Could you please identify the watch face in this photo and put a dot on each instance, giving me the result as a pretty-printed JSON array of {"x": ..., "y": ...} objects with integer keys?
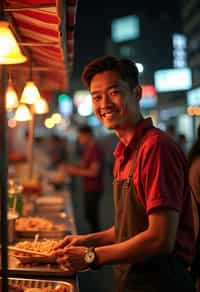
[{"x": 89, "y": 257}]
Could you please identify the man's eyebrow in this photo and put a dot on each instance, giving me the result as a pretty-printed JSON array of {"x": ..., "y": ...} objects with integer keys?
[{"x": 108, "y": 88}]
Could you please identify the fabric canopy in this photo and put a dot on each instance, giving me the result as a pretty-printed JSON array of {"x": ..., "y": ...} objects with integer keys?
[{"x": 45, "y": 32}]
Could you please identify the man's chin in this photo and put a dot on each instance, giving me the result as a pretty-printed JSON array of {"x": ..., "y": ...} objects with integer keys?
[{"x": 110, "y": 126}]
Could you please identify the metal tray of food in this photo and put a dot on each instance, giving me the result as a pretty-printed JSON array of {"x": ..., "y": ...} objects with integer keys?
[
  {"x": 28, "y": 227},
  {"x": 39, "y": 270},
  {"x": 54, "y": 234},
  {"x": 33, "y": 285}
]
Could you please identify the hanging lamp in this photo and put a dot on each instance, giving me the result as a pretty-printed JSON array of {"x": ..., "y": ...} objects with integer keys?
[
  {"x": 41, "y": 106},
  {"x": 11, "y": 96},
  {"x": 22, "y": 113},
  {"x": 10, "y": 52},
  {"x": 30, "y": 93}
]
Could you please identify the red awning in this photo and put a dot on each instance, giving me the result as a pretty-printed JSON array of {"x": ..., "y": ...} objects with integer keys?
[{"x": 45, "y": 31}]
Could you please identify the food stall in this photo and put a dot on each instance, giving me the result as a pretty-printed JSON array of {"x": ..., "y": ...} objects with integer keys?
[{"x": 44, "y": 30}]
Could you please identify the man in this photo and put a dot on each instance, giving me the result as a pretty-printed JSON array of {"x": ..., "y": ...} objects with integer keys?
[
  {"x": 91, "y": 169},
  {"x": 152, "y": 240}
]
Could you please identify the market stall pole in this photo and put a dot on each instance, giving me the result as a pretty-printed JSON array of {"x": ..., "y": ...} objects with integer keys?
[
  {"x": 9, "y": 54},
  {"x": 3, "y": 184}
]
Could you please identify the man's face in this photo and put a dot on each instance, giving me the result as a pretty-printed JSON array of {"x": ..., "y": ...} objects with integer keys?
[{"x": 114, "y": 104}]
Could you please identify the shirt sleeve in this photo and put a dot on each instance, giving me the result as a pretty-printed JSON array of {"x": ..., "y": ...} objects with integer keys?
[
  {"x": 194, "y": 178},
  {"x": 163, "y": 175}
]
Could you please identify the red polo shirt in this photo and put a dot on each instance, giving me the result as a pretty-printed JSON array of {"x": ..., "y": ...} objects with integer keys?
[{"x": 160, "y": 178}]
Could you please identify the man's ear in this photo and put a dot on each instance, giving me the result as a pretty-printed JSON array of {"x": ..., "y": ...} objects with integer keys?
[{"x": 138, "y": 92}]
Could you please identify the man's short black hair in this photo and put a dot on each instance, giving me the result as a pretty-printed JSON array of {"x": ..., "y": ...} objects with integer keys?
[
  {"x": 125, "y": 67},
  {"x": 85, "y": 129}
]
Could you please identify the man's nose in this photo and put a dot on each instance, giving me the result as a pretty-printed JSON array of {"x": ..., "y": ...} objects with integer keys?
[{"x": 106, "y": 100}]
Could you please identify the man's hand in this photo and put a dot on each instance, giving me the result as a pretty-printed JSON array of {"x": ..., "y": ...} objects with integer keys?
[
  {"x": 71, "y": 258},
  {"x": 70, "y": 240}
]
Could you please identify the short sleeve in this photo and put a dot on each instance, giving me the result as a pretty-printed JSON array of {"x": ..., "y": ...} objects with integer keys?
[{"x": 163, "y": 175}]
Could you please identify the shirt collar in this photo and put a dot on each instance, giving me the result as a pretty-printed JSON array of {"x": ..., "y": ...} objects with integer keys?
[{"x": 138, "y": 132}]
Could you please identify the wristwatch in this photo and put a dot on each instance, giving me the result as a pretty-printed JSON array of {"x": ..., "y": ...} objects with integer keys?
[{"x": 90, "y": 258}]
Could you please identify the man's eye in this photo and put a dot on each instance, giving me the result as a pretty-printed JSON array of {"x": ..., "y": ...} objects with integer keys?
[
  {"x": 96, "y": 97},
  {"x": 114, "y": 92}
]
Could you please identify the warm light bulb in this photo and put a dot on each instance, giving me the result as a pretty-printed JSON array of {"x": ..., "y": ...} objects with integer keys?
[
  {"x": 10, "y": 52},
  {"x": 11, "y": 98},
  {"x": 30, "y": 93},
  {"x": 23, "y": 113},
  {"x": 49, "y": 123},
  {"x": 56, "y": 118},
  {"x": 41, "y": 106}
]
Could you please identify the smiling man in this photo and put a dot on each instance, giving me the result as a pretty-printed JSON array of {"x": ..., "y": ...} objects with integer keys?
[{"x": 152, "y": 241}]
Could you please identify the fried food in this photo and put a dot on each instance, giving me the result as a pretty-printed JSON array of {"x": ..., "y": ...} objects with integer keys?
[
  {"x": 44, "y": 246},
  {"x": 36, "y": 224},
  {"x": 33, "y": 224},
  {"x": 15, "y": 288}
]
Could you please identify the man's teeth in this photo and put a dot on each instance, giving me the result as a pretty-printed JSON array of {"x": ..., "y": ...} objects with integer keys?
[{"x": 107, "y": 114}]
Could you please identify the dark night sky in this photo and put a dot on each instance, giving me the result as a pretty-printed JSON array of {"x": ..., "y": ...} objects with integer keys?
[{"x": 94, "y": 19}]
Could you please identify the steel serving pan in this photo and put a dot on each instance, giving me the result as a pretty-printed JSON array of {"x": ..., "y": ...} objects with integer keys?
[{"x": 33, "y": 283}]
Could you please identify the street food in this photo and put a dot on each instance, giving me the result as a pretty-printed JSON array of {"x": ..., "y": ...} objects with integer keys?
[
  {"x": 44, "y": 246},
  {"x": 14, "y": 288},
  {"x": 33, "y": 224},
  {"x": 36, "y": 224}
]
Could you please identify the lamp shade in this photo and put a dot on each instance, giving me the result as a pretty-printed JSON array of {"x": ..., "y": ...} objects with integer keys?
[
  {"x": 22, "y": 113},
  {"x": 10, "y": 52},
  {"x": 30, "y": 93},
  {"x": 41, "y": 106},
  {"x": 11, "y": 97}
]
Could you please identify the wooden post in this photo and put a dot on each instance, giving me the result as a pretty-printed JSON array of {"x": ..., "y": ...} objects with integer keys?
[{"x": 3, "y": 181}]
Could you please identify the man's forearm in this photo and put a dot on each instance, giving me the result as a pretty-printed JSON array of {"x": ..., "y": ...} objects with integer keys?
[{"x": 100, "y": 238}]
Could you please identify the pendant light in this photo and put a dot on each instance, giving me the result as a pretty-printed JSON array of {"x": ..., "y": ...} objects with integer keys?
[
  {"x": 22, "y": 113},
  {"x": 10, "y": 52},
  {"x": 11, "y": 96},
  {"x": 41, "y": 106},
  {"x": 30, "y": 93}
]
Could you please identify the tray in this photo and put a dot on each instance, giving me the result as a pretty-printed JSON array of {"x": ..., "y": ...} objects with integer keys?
[
  {"x": 16, "y": 268},
  {"x": 57, "y": 234},
  {"x": 40, "y": 284},
  {"x": 31, "y": 259}
]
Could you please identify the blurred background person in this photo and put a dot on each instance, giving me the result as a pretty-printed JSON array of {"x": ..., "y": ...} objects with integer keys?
[
  {"x": 194, "y": 179},
  {"x": 171, "y": 130},
  {"x": 182, "y": 141},
  {"x": 57, "y": 151},
  {"x": 90, "y": 167}
]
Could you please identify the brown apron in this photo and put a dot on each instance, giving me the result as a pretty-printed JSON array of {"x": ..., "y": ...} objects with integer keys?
[{"x": 158, "y": 274}]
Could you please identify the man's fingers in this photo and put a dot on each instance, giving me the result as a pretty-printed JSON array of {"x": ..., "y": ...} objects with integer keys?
[
  {"x": 63, "y": 260},
  {"x": 62, "y": 244}
]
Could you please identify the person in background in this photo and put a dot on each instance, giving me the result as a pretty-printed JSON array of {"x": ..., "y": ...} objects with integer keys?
[
  {"x": 171, "y": 130},
  {"x": 57, "y": 151},
  {"x": 194, "y": 179},
  {"x": 152, "y": 241},
  {"x": 182, "y": 141},
  {"x": 90, "y": 168}
]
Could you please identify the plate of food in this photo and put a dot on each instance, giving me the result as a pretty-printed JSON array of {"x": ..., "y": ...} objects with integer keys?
[
  {"x": 34, "y": 251},
  {"x": 27, "y": 227}
]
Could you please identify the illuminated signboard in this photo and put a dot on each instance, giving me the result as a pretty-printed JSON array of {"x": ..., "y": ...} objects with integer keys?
[
  {"x": 65, "y": 104},
  {"x": 173, "y": 79},
  {"x": 83, "y": 102},
  {"x": 193, "y": 97},
  {"x": 149, "y": 97},
  {"x": 125, "y": 28},
  {"x": 179, "y": 43}
]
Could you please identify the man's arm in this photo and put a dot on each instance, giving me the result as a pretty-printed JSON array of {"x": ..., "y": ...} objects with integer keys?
[
  {"x": 81, "y": 170},
  {"x": 101, "y": 238},
  {"x": 159, "y": 238},
  {"x": 93, "y": 239}
]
